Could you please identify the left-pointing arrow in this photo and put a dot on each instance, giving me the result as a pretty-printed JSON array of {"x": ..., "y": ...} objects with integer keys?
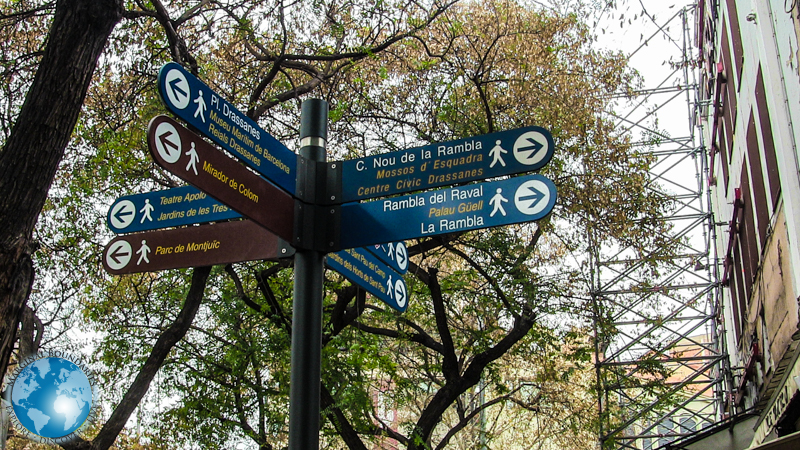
[
  {"x": 122, "y": 214},
  {"x": 168, "y": 142},
  {"x": 174, "y": 84},
  {"x": 118, "y": 255}
]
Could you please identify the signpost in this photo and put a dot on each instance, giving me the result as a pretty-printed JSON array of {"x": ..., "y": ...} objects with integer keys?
[
  {"x": 463, "y": 160},
  {"x": 186, "y": 155},
  {"x": 165, "y": 209},
  {"x": 366, "y": 270},
  {"x": 221, "y": 243},
  {"x": 229, "y": 189},
  {"x": 480, "y": 205},
  {"x": 201, "y": 107}
]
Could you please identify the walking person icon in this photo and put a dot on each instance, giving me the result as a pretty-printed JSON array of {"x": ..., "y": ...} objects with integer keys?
[
  {"x": 390, "y": 288},
  {"x": 201, "y": 107},
  {"x": 193, "y": 158},
  {"x": 497, "y": 155},
  {"x": 497, "y": 202},
  {"x": 142, "y": 252},
  {"x": 146, "y": 210}
]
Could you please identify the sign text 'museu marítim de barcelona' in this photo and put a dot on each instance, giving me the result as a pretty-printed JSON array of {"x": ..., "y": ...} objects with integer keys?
[
  {"x": 197, "y": 104},
  {"x": 480, "y": 205},
  {"x": 459, "y": 161}
]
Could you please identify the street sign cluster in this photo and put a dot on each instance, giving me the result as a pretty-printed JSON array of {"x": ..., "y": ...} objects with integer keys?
[
  {"x": 254, "y": 203},
  {"x": 262, "y": 201}
]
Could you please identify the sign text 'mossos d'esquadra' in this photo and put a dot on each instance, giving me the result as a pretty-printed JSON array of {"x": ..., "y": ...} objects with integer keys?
[
  {"x": 196, "y": 103},
  {"x": 476, "y": 158}
]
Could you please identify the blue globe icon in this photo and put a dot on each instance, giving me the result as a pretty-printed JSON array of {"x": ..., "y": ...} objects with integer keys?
[{"x": 51, "y": 397}]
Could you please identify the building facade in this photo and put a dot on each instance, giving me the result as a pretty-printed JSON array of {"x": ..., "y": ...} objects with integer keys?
[{"x": 750, "y": 114}]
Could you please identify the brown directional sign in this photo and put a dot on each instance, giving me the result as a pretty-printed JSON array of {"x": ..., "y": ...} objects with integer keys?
[
  {"x": 186, "y": 155},
  {"x": 205, "y": 245}
]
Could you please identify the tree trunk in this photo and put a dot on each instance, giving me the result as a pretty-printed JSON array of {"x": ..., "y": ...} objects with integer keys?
[{"x": 30, "y": 156}]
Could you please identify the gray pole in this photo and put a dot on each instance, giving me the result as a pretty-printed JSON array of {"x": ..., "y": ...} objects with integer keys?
[{"x": 304, "y": 395}]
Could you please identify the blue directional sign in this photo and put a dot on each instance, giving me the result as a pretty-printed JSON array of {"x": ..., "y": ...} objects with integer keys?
[
  {"x": 364, "y": 269},
  {"x": 197, "y": 104},
  {"x": 463, "y": 160},
  {"x": 480, "y": 205},
  {"x": 164, "y": 209},
  {"x": 395, "y": 254}
]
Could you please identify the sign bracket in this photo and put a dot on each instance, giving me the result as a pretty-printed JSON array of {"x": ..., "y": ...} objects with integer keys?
[{"x": 317, "y": 227}]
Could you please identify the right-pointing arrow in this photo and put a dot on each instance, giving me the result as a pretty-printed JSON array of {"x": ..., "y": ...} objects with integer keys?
[
  {"x": 534, "y": 198},
  {"x": 533, "y": 148}
]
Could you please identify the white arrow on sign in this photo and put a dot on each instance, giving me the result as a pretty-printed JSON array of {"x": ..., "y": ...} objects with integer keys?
[
  {"x": 177, "y": 89},
  {"x": 122, "y": 214},
  {"x": 168, "y": 142},
  {"x": 532, "y": 197},
  {"x": 401, "y": 254},
  {"x": 400, "y": 293},
  {"x": 119, "y": 255},
  {"x": 528, "y": 148}
]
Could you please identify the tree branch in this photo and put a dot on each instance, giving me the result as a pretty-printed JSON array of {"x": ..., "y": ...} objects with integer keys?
[{"x": 174, "y": 333}]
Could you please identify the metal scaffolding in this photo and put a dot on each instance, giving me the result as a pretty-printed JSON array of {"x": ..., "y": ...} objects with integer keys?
[{"x": 660, "y": 366}]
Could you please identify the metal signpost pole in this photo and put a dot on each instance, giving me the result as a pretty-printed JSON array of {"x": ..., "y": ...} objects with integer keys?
[{"x": 304, "y": 396}]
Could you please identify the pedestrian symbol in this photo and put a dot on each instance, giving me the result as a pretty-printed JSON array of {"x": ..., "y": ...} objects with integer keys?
[
  {"x": 146, "y": 210},
  {"x": 390, "y": 288},
  {"x": 193, "y": 158},
  {"x": 177, "y": 89},
  {"x": 497, "y": 154},
  {"x": 497, "y": 203},
  {"x": 201, "y": 107},
  {"x": 143, "y": 251}
]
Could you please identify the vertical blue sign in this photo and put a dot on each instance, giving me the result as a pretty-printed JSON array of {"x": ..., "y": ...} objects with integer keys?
[
  {"x": 395, "y": 254},
  {"x": 197, "y": 104},
  {"x": 364, "y": 269}
]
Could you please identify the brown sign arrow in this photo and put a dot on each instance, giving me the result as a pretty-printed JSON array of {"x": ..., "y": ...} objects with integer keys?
[
  {"x": 188, "y": 156},
  {"x": 205, "y": 245}
]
